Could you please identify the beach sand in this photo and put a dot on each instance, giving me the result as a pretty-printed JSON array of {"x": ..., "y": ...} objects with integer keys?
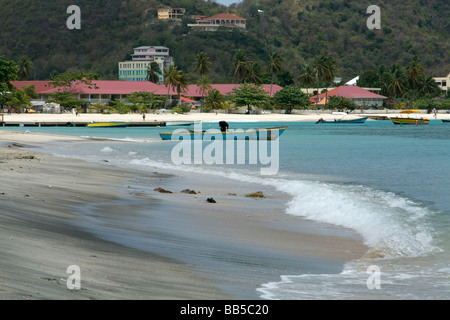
[
  {"x": 190, "y": 249},
  {"x": 205, "y": 117}
]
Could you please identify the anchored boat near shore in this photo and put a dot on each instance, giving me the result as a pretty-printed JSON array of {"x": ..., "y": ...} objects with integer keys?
[
  {"x": 253, "y": 134},
  {"x": 110, "y": 124},
  {"x": 414, "y": 121}
]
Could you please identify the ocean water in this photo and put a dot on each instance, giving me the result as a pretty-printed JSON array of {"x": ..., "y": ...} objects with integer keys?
[{"x": 390, "y": 184}]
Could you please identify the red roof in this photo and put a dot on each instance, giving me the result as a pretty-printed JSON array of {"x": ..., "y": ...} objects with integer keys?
[
  {"x": 127, "y": 87},
  {"x": 97, "y": 87},
  {"x": 194, "y": 92},
  {"x": 225, "y": 16},
  {"x": 348, "y": 92}
]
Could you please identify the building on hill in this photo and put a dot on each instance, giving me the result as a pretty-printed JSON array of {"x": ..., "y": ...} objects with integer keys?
[
  {"x": 360, "y": 96},
  {"x": 136, "y": 69},
  {"x": 443, "y": 82},
  {"x": 224, "y": 20},
  {"x": 168, "y": 13}
]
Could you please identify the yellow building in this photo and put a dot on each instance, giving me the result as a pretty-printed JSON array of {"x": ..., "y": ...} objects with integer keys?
[{"x": 168, "y": 13}]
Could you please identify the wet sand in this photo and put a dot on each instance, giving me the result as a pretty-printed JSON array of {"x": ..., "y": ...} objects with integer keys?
[{"x": 132, "y": 242}]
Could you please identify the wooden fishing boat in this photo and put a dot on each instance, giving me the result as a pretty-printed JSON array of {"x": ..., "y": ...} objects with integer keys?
[
  {"x": 110, "y": 124},
  {"x": 413, "y": 121},
  {"x": 252, "y": 134},
  {"x": 343, "y": 121}
]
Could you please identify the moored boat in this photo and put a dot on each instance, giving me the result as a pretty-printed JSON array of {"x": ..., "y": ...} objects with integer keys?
[
  {"x": 110, "y": 124},
  {"x": 252, "y": 134},
  {"x": 414, "y": 121},
  {"x": 445, "y": 120},
  {"x": 343, "y": 121}
]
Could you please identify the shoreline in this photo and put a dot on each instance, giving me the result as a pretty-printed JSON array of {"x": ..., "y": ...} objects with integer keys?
[
  {"x": 65, "y": 118},
  {"x": 256, "y": 240}
]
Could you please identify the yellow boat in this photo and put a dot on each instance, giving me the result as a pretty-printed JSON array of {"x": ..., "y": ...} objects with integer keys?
[
  {"x": 110, "y": 124},
  {"x": 415, "y": 121}
]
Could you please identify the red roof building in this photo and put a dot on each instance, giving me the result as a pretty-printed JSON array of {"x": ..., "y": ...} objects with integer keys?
[
  {"x": 360, "y": 96},
  {"x": 106, "y": 90}
]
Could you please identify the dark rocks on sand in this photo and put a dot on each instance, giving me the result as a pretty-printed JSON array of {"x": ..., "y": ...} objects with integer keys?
[
  {"x": 257, "y": 194},
  {"x": 161, "y": 190},
  {"x": 188, "y": 191},
  {"x": 211, "y": 200}
]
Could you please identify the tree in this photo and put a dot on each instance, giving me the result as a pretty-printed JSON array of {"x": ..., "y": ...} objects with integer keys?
[
  {"x": 253, "y": 74},
  {"x": 214, "y": 101},
  {"x": 249, "y": 95},
  {"x": 171, "y": 76},
  {"x": 182, "y": 84},
  {"x": 202, "y": 63},
  {"x": 307, "y": 76},
  {"x": 19, "y": 100},
  {"x": 8, "y": 73},
  {"x": 337, "y": 103},
  {"x": 30, "y": 91},
  {"x": 326, "y": 69},
  {"x": 65, "y": 99},
  {"x": 396, "y": 82},
  {"x": 143, "y": 100},
  {"x": 239, "y": 67},
  {"x": 289, "y": 98},
  {"x": 275, "y": 67},
  {"x": 415, "y": 73},
  {"x": 153, "y": 72},
  {"x": 204, "y": 85},
  {"x": 24, "y": 67}
]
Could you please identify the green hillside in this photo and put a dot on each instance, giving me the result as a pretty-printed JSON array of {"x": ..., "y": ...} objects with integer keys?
[{"x": 298, "y": 30}]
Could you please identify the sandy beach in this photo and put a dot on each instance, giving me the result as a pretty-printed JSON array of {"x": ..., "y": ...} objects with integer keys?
[
  {"x": 233, "y": 246},
  {"x": 207, "y": 117}
]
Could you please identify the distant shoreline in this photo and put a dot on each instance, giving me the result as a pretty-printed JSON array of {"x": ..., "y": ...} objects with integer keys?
[{"x": 207, "y": 117}]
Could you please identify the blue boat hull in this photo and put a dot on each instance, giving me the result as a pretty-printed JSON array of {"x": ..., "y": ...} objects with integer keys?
[{"x": 259, "y": 134}]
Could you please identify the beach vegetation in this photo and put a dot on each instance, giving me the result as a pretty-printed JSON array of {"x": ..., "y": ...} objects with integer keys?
[
  {"x": 24, "y": 67},
  {"x": 8, "y": 73},
  {"x": 19, "y": 100},
  {"x": 214, "y": 101},
  {"x": 249, "y": 95},
  {"x": 65, "y": 99},
  {"x": 341, "y": 103},
  {"x": 290, "y": 98}
]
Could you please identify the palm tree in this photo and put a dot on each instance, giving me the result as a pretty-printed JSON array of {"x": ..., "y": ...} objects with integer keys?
[
  {"x": 204, "y": 85},
  {"x": 171, "y": 76},
  {"x": 214, "y": 100},
  {"x": 395, "y": 81},
  {"x": 326, "y": 69},
  {"x": 153, "y": 72},
  {"x": 253, "y": 74},
  {"x": 307, "y": 76},
  {"x": 429, "y": 86},
  {"x": 182, "y": 83},
  {"x": 24, "y": 67},
  {"x": 202, "y": 63},
  {"x": 275, "y": 67},
  {"x": 415, "y": 73},
  {"x": 239, "y": 66}
]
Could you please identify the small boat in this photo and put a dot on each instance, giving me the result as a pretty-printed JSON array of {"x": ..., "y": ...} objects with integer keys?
[
  {"x": 343, "y": 121},
  {"x": 415, "y": 121},
  {"x": 110, "y": 124},
  {"x": 445, "y": 120},
  {"x": 179, "y": 123},
  {"x": 252, "y": 134}
]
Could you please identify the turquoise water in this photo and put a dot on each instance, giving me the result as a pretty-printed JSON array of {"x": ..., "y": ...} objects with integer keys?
[{"x": 389, "y": 183}]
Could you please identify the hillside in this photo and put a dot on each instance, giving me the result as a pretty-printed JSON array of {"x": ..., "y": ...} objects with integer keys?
[{"x": 297, "y": 29}]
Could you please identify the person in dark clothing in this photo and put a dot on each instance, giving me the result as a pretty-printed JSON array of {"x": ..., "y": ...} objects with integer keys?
[{"x": 223, "y": 126}]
